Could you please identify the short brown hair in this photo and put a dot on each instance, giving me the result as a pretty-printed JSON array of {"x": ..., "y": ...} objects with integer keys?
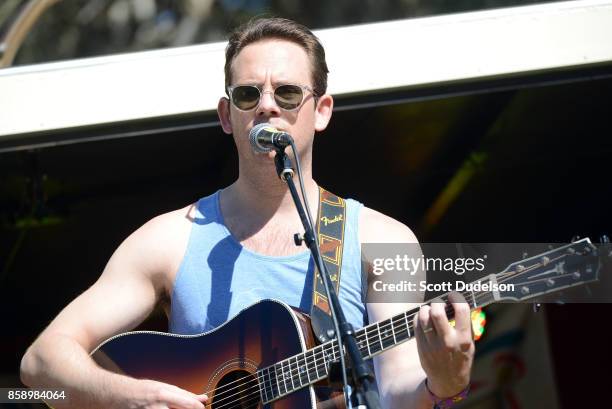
[{"x": 284, "y": 29}]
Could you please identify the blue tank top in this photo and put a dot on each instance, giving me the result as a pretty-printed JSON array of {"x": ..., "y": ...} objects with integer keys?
[{"x": 218, "y": 277}]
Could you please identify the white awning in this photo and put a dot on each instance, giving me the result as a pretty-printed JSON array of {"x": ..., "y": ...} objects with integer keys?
[{"x": 369, "y": 58}]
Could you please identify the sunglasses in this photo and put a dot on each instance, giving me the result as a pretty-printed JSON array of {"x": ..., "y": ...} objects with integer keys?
[{"x": 287, "y": 96}]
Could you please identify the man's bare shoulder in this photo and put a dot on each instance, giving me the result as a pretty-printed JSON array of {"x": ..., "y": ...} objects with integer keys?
[
  {"x": 175, "y": 222},
  {"x": 376, "y": 227},
  {"x": 159, "y": 245}
]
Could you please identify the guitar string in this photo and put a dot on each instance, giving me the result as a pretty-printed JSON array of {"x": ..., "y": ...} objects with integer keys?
[
  {"x": 252, "y": 399},
  {"x": 380, "y": 338}
]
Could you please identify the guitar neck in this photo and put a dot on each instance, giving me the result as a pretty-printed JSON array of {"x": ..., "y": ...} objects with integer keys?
[
  {"x": 307, "y": 368},
  {"x": 384, "y": 335}
]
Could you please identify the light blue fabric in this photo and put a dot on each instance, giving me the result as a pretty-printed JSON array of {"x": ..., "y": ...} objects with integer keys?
[{"x": 218, "y": 277}]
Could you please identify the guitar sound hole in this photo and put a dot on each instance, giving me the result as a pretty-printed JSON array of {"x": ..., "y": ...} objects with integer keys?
[{"x": 236, "y": 390}]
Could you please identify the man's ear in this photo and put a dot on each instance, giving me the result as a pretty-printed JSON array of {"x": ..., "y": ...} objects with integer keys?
[
  {"x": 223, "y": 111},
  {"x": 323, "y": 112}
]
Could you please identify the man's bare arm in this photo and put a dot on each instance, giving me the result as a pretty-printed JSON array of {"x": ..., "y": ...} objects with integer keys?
[{"x": 125, "y": 294}]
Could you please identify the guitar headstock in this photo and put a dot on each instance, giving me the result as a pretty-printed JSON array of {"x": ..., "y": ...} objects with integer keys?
[{"x": 563, "y": 267}]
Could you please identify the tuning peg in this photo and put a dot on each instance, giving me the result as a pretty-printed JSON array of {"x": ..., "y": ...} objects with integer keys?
[
  {"x": 536, "y": 306},
  {"x": 604, "y": 239},
  {"x": 575, "y": 238}
]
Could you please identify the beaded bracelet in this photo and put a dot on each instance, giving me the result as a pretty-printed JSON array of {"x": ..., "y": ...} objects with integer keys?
[{"x": 446, "y": 403}]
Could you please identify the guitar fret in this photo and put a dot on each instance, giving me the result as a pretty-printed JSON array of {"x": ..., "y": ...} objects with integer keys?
[
  {"x": 293, "y": 367},
  {"x": 270, "y": 378},
  {"x": 473, "y": 300},
  {"x": 269, "y": 382},
  {"x": 288, "y": 374},
  {"x": 307, "y": 368},
  {"x": 379, "y": 336},
  {"x": 291, "y": 375},
  {"x": 263, "y": 391},
  {"x": 368, "y": 341},
  {"x": 327, "y": 357},
  {"x": 274, "y": 386},
  {"x": 299, "y": 370},
  {"x": 278, "y": 384},
  {"x": 393, "y": 331},
  {"x": 304, "y": 370},
  {"x": 386, "y": 337},
  {"x": 407, "y": 325},
  {"x": 317, "y": 364},
  {"x": 283, "y": 377}
]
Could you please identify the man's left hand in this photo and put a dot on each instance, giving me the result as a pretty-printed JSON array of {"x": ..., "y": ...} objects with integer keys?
[{"x": 446, "y": 352}]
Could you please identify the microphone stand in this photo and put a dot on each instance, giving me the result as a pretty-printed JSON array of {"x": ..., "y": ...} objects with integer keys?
[{"x": 361, "y": 375}]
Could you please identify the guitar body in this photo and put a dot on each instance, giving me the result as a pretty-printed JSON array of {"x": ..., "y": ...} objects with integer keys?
[{"x": 259, "y": 336}]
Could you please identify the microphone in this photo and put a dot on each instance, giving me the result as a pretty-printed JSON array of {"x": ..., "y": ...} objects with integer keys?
[{"x": 264, "y": 137}]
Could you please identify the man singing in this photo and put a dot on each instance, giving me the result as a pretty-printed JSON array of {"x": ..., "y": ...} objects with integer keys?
[{"x": 242, "y": 235}]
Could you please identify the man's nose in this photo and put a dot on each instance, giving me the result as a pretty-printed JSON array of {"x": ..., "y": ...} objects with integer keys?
[{"x": 267, "y": 105}]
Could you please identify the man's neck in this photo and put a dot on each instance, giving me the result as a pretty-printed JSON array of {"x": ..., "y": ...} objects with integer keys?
[{"x": 255, "y": 202}]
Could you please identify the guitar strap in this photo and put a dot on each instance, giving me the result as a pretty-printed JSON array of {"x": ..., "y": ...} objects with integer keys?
[{"x": 330, "y": 232}]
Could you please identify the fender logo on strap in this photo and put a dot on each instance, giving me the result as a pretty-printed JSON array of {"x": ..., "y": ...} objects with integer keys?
[{"x": 327, "y": 221}]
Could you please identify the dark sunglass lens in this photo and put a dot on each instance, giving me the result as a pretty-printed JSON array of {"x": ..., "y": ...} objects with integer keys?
[
  {"x": 288, "y": 96},
  {"x": 245, "y": 97}
]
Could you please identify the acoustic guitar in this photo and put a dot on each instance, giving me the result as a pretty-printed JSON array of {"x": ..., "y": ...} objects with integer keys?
[{"x": 266, "y": 356}]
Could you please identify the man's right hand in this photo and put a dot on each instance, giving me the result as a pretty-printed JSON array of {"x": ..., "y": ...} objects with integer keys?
[{"x": 159, "y": 395}]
